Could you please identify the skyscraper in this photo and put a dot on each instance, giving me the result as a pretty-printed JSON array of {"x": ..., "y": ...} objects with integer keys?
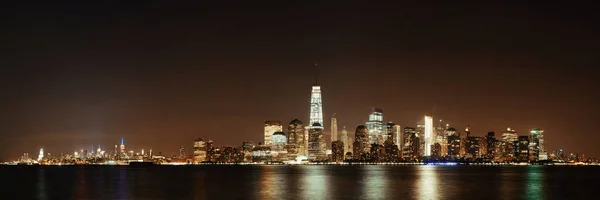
[
  {"x": 362, "y": 143},
  {"x": 344, "y": 138},
  {"x": 523, "y": 149},
  {"x": 537, "y": 145},
  {"x": 296, "y": 141},
  {"x": 375, "y": 126},
  {"x": 509, "y": 139},
  {"x": 397, "y": 132},
  {"x": 270, "y": 128},
  {"x": 334, "y": 131},
  {"x": 428, "y": 134},
  {"x": 337, "y": 151},
  {"x": 316, "y": 105},
  {"x": 316, "y": 143},
  {"x": 199, "y": 150}
]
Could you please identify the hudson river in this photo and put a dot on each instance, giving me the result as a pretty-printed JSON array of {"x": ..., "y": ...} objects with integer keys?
[{"x": 300, "y": 182}]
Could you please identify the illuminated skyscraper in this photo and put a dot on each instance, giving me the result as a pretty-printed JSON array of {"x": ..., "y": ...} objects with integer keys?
[
  {"x": 344, "y": 138},
  {"x": 398, "y": 140},
  {"x": 41, "y": 156},
  {"x": 337, "y": 151},
  {"x": 334, "y": 131},
  {"x": 199, "y": 150},
  {"x": 316, "y": 105},
  {"x": 316, "y": 143},
  {"x": 537, "y": 145},
  {"x": 296, "y": 139},
  {"x": 362, "y": 145},
  {"x": 428, "y": 134},
  {"x": 375, "y": 126},
  {"x": 270, "y": 128},
  {"x": 509, "y": 139},
  {"x": 523, "y": 149},
  {"x": 122, "y": 145}
]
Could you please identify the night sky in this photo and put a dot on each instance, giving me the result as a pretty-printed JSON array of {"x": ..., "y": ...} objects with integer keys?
[{"x": 161, "y": 75}]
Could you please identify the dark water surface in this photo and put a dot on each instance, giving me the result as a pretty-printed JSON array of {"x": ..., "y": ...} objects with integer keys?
[{"x": 300, "y": 182}]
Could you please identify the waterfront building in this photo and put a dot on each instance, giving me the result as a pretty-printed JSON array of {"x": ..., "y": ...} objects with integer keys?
[
  {"x": 270, "y": 128},
  {"x": 181, "y": 152},
  {"x": 316, "y": 144},
  {"x": 388, "y": 132},
  {"x": 408, "y": 151},
  {"x": 428, "y": 134},
  {"x": 490, "y": 140},
  {"x": 199, "y": 150},
  {"x": 509, "y": 139},
  {"x": 537, "y": 145},
  {"x": 261, "y": 154},
  {"x": 362, "y": 143},
  {"x": 473, "y": 146},
  {"x": 278, "y": 144},
  {"x": 523, "y": 148},
  {"x": 344, "y": 138},
  {"x": 436, "y": 151},
  {"x": 375, "y": 126},
  {"x": 296, "y": 142},
  {"x": 334, "y": 130},
  {"x": 397, "y": 135},
  {"x": 337, "y": 151}
]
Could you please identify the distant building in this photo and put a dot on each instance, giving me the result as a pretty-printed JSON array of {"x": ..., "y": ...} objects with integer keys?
[
  {"x": 454, "y": 142},
  {"x": 316, "y": 105},
  {"x": 397, "y": 135},
  {"x": 270, "y": 128},
  {"x": 334, "y": 130},
  {"x": 490, "y": 140},
  {"x": 337, "y": 151},
  {"x": 508, "y": 148},
  {"x": 473, "y": 146},
  {"x": 261, "y": 154},
  {"x": 537, "y": 145},
  {"x": 199, "y": 150},
  {"x": 316, "y": 143},
  {"x": 410, "y": 149},
  {"x": 278, "y": 144},
  {"x": 362, "y": 143},
  {"x": 296, "y": 142},
  {"x": 428, "y": 134},
  {"x": 523, "y": 149},
  {"x": 345, "y": 139},
  {"x": 375, "y": 126}
]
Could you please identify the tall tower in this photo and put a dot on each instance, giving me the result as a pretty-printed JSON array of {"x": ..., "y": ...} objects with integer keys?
[
  {"x": 316, "y": 104},
  {"x": 375, "y": 126},
  {"x": 122, "y": 145},
  {"x": 428, "y": 134},
  {"x": 334, "y": 131},
  {"x": 537, "y": 145},
  {"x": 316, "y": 143},
  {"x": 344, "y": 139}
]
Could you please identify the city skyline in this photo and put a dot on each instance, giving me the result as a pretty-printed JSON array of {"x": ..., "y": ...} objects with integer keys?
[{"x": 77, "y": 75}]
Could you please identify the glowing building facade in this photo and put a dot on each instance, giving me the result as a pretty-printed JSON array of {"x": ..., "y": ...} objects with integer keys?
[
  {"x": 316, "y": 106},
  {"x": 199, "y": 150},
  {"x": 375, "y": 126},
  {"x": 362, "y": 145},
  {"x": 537, "y": 145},
  {"x": 334, "y": 131},
  {"x": 270, "y": 128},
  {"x": 428, "y": 135},
  {"x": 344, "y": 138},
  {"x": 316, "y": 143},
  {"x": 296, "y": 144}
]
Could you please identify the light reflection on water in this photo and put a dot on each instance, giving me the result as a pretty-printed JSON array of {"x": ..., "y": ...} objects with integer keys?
[
  {"x": 427, "y": 183},
  {"x": 314, "y": 182},
  {"x": 535, "y": 179},
  {"x": 375, "y": 182},
  {"x": 41, "y": 184},
  {"x": 273, "y": 182}
]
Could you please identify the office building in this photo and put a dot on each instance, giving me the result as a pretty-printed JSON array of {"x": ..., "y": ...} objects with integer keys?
[
  {"x": 270, "y": 128},
  {"x": 334, "y": 130},
  {"x": 375, "y": 126},
  {"x": 316, "y": 143}
]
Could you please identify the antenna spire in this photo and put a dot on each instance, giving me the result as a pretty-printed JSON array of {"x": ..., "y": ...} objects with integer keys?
[{"x": 316, "y": 73}]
